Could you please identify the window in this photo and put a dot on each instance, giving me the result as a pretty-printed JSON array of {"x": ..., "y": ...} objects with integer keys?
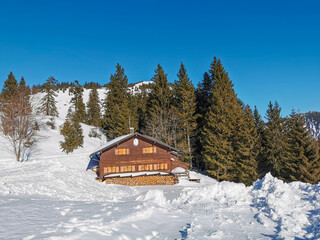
[
  {"x": 153, "y": 167},
  {"x": 111, "y": 169},
  {"x": 122, "y": 151},
  {"x": 128, "y": 168},
  {"x": 149, "y": 150}
]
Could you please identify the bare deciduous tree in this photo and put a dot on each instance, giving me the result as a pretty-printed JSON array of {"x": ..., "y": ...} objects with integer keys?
[{"x": 18, "y": 123}]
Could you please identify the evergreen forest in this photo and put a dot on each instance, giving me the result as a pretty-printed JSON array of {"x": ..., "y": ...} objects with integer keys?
[{"x": 217, "y": 133}]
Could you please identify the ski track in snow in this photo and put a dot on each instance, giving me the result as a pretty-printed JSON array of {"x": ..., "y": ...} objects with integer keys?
[{"x": 51, "y": 196}]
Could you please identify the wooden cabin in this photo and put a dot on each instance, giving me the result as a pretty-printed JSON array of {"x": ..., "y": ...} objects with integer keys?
[{"x": 136, "y": 153}]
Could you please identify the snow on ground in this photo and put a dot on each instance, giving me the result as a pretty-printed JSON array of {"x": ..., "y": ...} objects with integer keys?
[{"x": 51, "y": 196}]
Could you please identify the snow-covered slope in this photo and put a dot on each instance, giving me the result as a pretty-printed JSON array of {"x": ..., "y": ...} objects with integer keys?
[
  {"x": 313, "y": 122},
  {"x": 51, "y": 196}
]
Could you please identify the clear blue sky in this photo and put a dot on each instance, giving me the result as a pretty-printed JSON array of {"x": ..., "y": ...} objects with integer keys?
[{"x": 271, "y": 49}]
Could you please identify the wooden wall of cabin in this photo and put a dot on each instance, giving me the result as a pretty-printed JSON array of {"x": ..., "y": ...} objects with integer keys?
[{"x": 135, "y": 160}]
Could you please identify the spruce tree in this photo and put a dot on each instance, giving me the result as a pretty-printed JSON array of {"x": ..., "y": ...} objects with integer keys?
[
  {"x": 77, "y": 110},
  {"x": 245, "y": 145},
  {"x": 258, "y": 121},
  {"x": 160, "y": 114},
  {"x": 219, "y": 126},
  {"x": 304, "y": 151},
  {"x": 23, "y": 87},
  {"x": 73, "y": 137},
  {"x": 48, "y": 101},
  {"x": 79, "y": 134},
  {"x": 138, "y": 105},
  {"x": 275, "y": 142},
  {"x": 186, "y": 105},
  {"x": 117, "y": 112},
  {"x": 135, "y": 104},
  {"x": 93, "y": 108},
  {"x": 10, "y": 87},
  {"x": 260, "y": 126},
  {"x": 315, "y": 164},
  {"x": 203, "y": 99},
  {"x": 67, "y": 130}
]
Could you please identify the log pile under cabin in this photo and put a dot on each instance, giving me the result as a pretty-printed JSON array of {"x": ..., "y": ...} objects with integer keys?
[
  {"x": 136, "y": 153},
  {"x": 143, "y": 180}
]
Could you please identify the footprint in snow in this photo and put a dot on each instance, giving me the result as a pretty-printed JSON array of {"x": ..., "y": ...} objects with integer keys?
[
  {"x": 63, "y": 213},
  {"x": 73, "y": 220},
  {"x": 134, "y": 226}
]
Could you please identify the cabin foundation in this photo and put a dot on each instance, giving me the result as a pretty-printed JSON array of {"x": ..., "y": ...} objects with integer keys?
[{"x": 143, "y": 180}]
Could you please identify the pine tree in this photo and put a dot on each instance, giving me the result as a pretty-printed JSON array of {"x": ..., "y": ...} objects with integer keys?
[
  {"x": 186, "y": 106},
  {"x": 219, "y": 126},
  {"x": 160, "y": 116},
  {"x": 117, "y": 112},
  {"x": 93, "y": 108},
  {"x": 48, "y": 101},
  {"x": 275, "y": 142},
  {"x": 77, "y": 111}
]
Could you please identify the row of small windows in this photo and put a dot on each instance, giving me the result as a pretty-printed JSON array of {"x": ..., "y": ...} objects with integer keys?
[
  {"x": 126, "y": 151},
  {"x": 133, "y": 168}
]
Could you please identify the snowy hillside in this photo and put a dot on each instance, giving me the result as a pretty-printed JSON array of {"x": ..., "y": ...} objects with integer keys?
[
  {"x": 51, "y": 196},
  {"x": 313, "y": 123}
]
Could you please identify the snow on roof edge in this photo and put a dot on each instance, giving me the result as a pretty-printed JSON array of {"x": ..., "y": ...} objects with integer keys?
[{"x": 113, "y": 141}]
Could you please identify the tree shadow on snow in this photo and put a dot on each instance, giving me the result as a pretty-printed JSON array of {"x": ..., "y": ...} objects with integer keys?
[
  {"x": 314, "y": 227},
  {"x": 184, "y": 232},
  {"x": 264, "y": 208}
]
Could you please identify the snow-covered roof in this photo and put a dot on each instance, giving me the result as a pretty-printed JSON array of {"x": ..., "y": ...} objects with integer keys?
[
  {"x": 123, "y": 138},
  {"x": 179, "y": 170},
  {"x": 110, "y": 143}
]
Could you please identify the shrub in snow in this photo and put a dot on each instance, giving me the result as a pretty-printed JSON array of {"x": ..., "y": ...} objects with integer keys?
[{"x": 95, "y": 133}]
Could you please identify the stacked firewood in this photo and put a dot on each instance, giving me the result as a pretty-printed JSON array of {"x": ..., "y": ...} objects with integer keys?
[{"x": 143, "y": 180}]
